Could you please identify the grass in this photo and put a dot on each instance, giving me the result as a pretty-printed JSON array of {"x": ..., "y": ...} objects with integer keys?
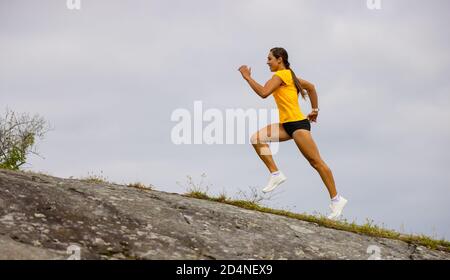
[
  {"x": 253, "y": 202},
  {"x": 140, "y": 186},
  {"x": 368, "y": 228},
  {"x": 93, "y": 178}
]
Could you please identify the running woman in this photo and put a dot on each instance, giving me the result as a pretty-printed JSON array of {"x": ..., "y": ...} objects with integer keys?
[{"x": 286, "y": 87}]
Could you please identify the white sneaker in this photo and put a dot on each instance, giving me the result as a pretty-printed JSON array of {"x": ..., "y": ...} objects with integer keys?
[
  {"x": 275, "y": 181},
  {"x": 336, "y": 208}
]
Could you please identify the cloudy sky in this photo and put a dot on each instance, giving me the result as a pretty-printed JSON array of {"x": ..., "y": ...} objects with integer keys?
[{"x": 109, "y": 76}]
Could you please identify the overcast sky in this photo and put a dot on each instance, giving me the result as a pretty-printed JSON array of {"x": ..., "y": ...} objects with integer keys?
[{"x": 109, "y": 76}]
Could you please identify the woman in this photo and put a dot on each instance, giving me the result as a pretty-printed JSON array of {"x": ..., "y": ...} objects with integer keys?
[{"x": 286, "y": 87}]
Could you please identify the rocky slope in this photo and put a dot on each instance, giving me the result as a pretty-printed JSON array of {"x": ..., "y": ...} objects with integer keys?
[{"x": 44, "y": 217}]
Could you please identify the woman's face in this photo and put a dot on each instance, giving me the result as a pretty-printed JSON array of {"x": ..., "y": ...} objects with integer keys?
[{"x": 274, "y": 64}]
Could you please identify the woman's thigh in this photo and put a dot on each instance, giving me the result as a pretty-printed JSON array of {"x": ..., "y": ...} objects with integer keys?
[
  {"x": 304, "y": 141},
  {"x": 271, "y": 133}
]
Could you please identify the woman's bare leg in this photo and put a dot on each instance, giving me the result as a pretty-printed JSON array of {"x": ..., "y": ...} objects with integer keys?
[
  {"x": 271, "y": 133},
  {"x": 308, "y": 148}
]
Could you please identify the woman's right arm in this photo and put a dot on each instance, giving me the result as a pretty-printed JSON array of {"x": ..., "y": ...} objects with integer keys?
[
  {"x": 262, "y": 91},
  {"x": 266, "y": 90}
]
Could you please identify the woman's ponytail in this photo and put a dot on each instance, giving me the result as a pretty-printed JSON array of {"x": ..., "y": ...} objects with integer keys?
[
  {"x": 296, "y": 82},
  {"x": 280, "y": 52}
]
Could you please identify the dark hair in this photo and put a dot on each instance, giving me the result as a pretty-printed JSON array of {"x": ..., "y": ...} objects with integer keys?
[{"x": 280, "y": 52}]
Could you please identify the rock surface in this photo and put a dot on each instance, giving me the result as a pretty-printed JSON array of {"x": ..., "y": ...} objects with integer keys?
[{"x": 44, "y": 217}]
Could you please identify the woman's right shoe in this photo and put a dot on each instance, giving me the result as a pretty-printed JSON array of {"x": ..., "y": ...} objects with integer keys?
[{"x": 274, "y": 182}]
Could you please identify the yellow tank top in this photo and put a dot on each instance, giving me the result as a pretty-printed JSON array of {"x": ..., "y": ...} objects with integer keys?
[{"x": 287, "y": 99}]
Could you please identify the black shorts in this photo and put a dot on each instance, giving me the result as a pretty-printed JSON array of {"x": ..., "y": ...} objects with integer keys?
[{"x": 290, "y": 127}]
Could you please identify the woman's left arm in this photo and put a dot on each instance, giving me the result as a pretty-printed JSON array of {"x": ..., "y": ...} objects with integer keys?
[
  {"x": 311, "y": 89},
  {"x": 312, "y": 93}
]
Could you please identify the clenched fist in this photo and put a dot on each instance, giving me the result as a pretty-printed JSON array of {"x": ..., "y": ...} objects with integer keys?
[{"x": 245, "y": 71}]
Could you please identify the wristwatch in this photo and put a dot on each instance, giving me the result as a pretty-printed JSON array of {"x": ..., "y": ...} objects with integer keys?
[{"x": 315, "y": 109}]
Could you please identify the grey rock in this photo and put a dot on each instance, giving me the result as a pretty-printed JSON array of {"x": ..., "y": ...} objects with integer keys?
[
  {"x": 45, "y": 217},
  {"x": 13, "y": 250}
]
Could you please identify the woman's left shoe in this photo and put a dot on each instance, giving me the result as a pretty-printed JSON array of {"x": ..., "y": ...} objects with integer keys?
[{"x": 336, "y": 208}]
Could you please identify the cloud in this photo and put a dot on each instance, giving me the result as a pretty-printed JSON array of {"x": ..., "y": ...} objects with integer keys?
[{"x": 110, "y": 75}]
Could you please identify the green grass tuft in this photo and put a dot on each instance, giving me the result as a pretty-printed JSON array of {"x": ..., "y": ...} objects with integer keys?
[
  {"x": 140, "y": 186},
  {"x": 95, "y": 179},
  {"x": 368, "y": 228}
]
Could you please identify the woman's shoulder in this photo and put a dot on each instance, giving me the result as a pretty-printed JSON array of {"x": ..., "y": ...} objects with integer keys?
[
  {"x": 285, "y": 75},
  {"x": 283, "y": 71}
]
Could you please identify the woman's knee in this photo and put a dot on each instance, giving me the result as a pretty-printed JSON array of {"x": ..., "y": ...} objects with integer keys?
[
  {"x": 254, "y": 139},
  {"x": 257, "y": 139},
  {"x": 318, "y": 163}
]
